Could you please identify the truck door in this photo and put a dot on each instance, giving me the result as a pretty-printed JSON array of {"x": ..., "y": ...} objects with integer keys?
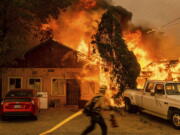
[
  {"x": 148, "y": 99},
  {"x": 161, "y": 100}
]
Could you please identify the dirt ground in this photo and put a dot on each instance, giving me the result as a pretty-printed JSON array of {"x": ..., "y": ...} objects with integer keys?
[{"x": 129, "y": 124}]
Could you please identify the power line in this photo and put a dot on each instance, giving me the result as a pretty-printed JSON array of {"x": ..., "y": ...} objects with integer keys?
[{"x": 170, "y": 23}]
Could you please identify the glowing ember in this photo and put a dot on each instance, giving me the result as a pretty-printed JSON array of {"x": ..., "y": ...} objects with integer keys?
[{"x": 88, "y": 4}]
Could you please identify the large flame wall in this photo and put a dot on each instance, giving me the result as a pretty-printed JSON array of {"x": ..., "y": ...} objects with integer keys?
[{"x": 78, "y": 23}]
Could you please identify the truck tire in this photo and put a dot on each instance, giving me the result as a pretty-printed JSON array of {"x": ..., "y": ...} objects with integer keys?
[
  {"x": 175, "y": 119},
  {"x": 128, "y": 106}
]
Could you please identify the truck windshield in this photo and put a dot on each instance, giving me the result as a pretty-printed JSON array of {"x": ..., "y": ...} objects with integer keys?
[{"x": 173, "y": 88}]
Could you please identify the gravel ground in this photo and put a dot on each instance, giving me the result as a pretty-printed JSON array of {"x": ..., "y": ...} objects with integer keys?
[{"x": 129, "y": 124}]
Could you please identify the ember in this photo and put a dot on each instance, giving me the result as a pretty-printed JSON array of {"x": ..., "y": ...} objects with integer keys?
[{"x": 88, "y": 4}]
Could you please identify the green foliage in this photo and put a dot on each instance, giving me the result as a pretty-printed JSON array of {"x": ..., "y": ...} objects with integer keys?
[{"x": 113, "y": 49}]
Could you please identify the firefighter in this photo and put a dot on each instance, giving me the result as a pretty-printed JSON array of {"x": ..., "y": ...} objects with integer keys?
[{"x": 94, "y": 108}]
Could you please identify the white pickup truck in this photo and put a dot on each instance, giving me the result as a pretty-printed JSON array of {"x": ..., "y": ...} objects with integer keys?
[{"x": 159, "y": 98}]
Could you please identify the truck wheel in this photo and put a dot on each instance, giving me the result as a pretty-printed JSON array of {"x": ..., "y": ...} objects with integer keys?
[
  {"x": 175, "y": 119},
  {"x": 128, "y": 106}
]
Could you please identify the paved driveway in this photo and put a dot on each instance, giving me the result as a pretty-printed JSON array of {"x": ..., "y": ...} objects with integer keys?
[{"x": 129, "y": 124}]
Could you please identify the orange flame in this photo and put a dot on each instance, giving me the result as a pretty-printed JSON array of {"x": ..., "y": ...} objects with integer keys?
[
  {"x": 88, "y": 4},
  {"x": 151, "y": 69},
  {"x": 74, "y": 28},
  {"x": 83, "y": 47},
  {"x": 134, "y": 40}
]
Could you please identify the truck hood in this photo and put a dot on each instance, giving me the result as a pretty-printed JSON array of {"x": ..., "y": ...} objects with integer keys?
[{"x": 174, "y": 97}]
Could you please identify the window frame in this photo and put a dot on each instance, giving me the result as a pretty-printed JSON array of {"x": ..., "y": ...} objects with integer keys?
[
  {"x": 163, "y": 87},
  {"x": 15, "y": 77},
  {"x": 35, "y": 78},
  {"x": 89, "y": 91},
  {"x": 167, "y": 89},
  {"x": 149, "y": 91},
  {"x": 63, "y": 86}
]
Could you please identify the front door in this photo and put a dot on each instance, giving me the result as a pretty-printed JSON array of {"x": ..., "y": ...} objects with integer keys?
[
  {"x": 161, "y": 100},
  {"x": 73, "y": 92},
  {"x": 148, "y": 99},
  {"x": 149, "y": 102}
]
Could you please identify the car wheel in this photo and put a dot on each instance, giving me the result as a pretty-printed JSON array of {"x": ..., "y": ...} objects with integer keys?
[
  {"x": 4, "y": 118},
  {"x": 34, "y": 117},
  {"x": 175, "y": 119}
]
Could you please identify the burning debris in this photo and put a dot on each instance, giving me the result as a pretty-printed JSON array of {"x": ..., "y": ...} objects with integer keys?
[
  {"x": 154, "y": 55},
  {"x": 150, "y": 46},
  {"x": 167, "y": 70}
]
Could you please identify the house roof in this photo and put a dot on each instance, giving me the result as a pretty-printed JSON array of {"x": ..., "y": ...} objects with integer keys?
[{"x": 49, "y": 54}]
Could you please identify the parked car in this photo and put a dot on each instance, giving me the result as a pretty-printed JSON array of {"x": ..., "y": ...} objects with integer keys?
[
  {"x": 20, "y": 102},
  {"x": 159, "y": 98}
]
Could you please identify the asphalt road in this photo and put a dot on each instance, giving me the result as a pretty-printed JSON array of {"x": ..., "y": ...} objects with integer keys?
[{"x": 129, "y": 124}]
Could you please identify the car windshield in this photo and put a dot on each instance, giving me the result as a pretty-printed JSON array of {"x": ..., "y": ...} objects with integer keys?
[
  {"x": 173, "y": 88},
  {"x": 20, "y": 93},
  {"x": 17, "y": 99}
]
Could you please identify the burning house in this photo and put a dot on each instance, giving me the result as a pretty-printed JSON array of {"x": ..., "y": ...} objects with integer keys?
[
  {"x": 74, "y": 72},
  {"x": 53, "y": 68},
  {"x": 157, "y": 61}
]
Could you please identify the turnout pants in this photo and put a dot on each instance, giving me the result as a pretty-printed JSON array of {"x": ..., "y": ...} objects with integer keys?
[{"x": 96, "y": 119}]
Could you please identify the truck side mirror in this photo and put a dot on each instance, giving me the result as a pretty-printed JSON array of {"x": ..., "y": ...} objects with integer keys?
[{"x": 152, "y": 92}]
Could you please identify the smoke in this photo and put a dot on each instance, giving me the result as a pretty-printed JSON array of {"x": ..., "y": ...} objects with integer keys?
[
  {"x": 80, "y": 21},
  {"x": 158, "y": 45}
]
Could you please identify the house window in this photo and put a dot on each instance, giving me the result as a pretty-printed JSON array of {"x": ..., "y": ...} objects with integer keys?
[
  {"x": 58, "y": 87},
  {"x": 88, "y": 88},
  {"x": 14, "y": 83},
  {"x": 35, "y": 83}
]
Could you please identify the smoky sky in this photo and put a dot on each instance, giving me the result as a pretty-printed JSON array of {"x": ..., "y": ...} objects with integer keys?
[{"x": 155, "y": 14}]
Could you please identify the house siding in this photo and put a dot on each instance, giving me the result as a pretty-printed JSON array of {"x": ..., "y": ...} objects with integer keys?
[{"x": 46, "y": 75}]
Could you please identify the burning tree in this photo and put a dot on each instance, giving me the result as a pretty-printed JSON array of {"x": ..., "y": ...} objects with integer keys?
[{"x": 113, "y": 49}]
